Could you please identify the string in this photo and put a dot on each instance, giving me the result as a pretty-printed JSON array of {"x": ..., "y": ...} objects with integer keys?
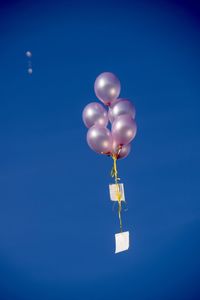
[{"x": 114, "y": 173}]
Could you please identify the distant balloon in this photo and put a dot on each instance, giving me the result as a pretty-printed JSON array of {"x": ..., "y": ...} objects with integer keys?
[
  {"x": 28, "y": 54},
  {"x": 30, "y": 71}
]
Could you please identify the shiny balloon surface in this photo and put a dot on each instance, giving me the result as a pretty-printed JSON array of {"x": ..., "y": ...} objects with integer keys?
[
  {"x": 95, "y": 113},
  {"x": 123, "y": 130},
  {"x": 107, "y": 87},
  {"x": 121, "y": 107},
  {"x": 100, "y": 139}
]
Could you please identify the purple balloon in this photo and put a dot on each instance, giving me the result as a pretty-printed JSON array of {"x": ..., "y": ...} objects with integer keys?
[
  {"x": 123, "y": 130},
  {"x": 100, "y": 139},
  {"x": 95, "y": 113},
  {"x": 121, "y": 107},
  {"x": 121, "y": 152},
  {"x": 107, "y": 87}
]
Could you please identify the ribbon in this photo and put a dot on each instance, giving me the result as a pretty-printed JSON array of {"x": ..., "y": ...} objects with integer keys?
[{"x": 114, "y": 173}]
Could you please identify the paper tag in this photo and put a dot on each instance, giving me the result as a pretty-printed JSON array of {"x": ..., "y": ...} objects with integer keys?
[
  {"x": 113, "y": 188},
  {"x": 121, "y": 241}
]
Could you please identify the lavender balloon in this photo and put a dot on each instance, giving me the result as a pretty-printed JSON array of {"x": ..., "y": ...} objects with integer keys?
[
  {"x": 123, "y": 130},
  {"x": 121, "y": 107},
  {"x": 100, "y": 139},
  {"x": 107, "y": 87},
  {"x": 95, "y": 113},
  {"x": 123, "y": 152}
]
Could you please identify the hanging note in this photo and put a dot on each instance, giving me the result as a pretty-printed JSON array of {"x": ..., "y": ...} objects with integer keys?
[
  {"x": 113, "y": 188},
  {"x": 121, "y": 241}
]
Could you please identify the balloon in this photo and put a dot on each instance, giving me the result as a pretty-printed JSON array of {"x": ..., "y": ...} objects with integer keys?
[
  {"x": 123, "y": 152},
  {"x": 121, "y": 107},
  {"x": 28, "y": 53},
  {"x": 107, "y": 87},
  {"x": 123, "y": 130},
  {"x": 100, "y": 139},
  {"x": 95, "y": 113},
  {"x": 30, "y": 71}
]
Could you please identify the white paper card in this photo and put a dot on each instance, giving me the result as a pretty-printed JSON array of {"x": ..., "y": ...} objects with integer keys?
[
  {"x": 121, "y": 241},
  {"x": 113, "y": 188}
]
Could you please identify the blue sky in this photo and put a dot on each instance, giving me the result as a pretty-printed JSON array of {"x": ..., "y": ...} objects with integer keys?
[{"x": 56, "y": 221}]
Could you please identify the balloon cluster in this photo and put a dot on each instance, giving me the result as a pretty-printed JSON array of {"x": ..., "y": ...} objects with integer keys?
[
  {"x": 30, "y": 69},
  {"x": 121, "y": 114},
  {"x": 114, "y": 142}
]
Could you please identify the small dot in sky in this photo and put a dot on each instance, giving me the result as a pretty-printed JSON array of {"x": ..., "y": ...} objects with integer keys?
[
  {"x": 28, "y": 53},
  {"x": 30, "y": 71}
]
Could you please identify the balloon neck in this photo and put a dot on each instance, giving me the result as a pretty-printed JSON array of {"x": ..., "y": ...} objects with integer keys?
[{"x": 107, "y": 153}]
